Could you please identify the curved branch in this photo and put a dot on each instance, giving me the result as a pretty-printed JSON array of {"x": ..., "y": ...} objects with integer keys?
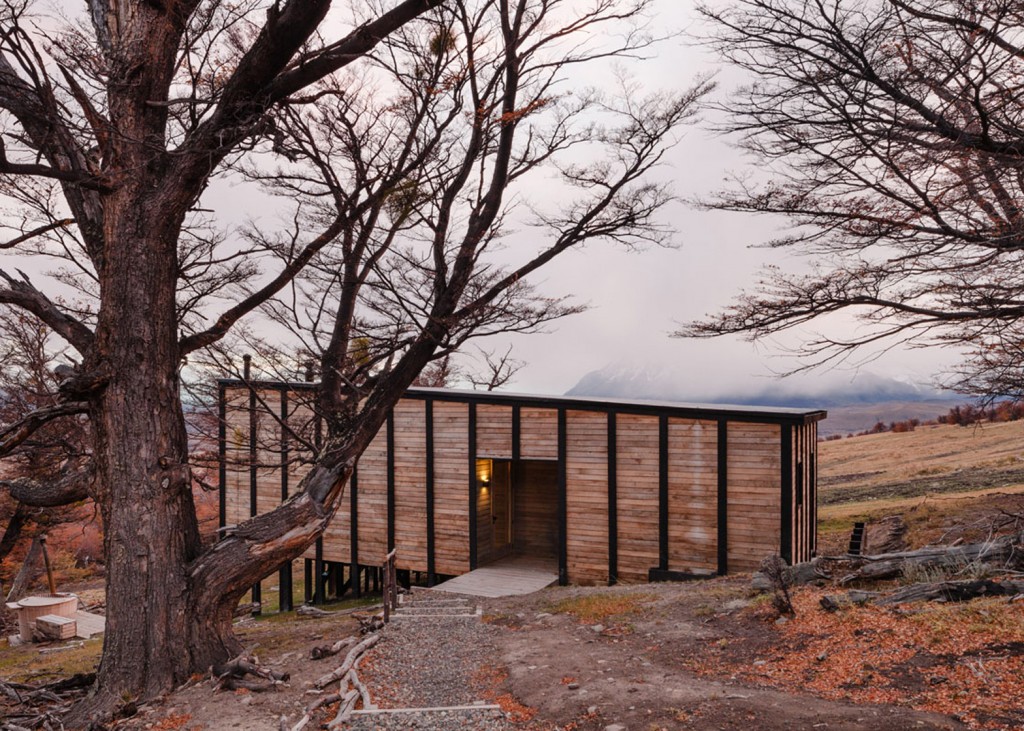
[
  {"x": 220, "y": 328},
  {"x": 23, "y": 293},
  {"x": 13, "y": 435},
  {"x": 72, "y": 487}
]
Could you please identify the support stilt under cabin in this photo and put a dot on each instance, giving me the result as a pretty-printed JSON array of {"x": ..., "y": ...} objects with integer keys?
[{"x": 600, "y": 490}]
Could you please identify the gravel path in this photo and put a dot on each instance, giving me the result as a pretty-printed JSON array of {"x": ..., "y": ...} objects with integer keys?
[{"x": 431, "y": 656}]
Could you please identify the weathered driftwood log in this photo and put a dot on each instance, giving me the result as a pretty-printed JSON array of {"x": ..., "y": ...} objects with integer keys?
[
  {"x": 321, "y": 651},
  {"x": 368, "y": 623},
  {"x": 832, "y": 603},
  {"x": 232, "y": 676},
  {"x": 1002, "y": 552},
  {"x": 358, "y": 684},
  {"x": 307, "y": 611},
  {"x": 350, "y": 660},
  {"x": 345, "y": 708},
  {"x": 953, "y": 591},
  {"x": 997, "y": 553}
]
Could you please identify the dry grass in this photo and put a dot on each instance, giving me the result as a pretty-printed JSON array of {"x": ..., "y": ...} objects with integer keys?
[
  {"x": 877, "y": 459},
  {"x": 602, "y": 608},
  {"x": 27, "y": 664}
]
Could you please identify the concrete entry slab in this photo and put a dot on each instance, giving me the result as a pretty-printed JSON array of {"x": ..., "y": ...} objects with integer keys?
[{"x": 510, "y": 576}]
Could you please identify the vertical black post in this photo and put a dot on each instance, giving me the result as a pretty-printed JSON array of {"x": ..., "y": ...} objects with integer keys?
[
  {"x": 318, "y": 562},
  {"x": 786, "y": 527},
  {"x": 812, "y": 480},
  {"x": 429, "y": 427},
  {"x": 284, "y": 576},
  {"x": 391, "y": 479},
  {"x": 353, "y": 533},
  {"x": 613, "y": 509},
  {"x": 663, "y": 493},
  {"x": 472, "y": 486},
  {"x": 516, "y": 430},
  {"x": 222, "y": 455},
  {"x": 257, "y": 590},
  {"x": 563, "y": 538},
  {"x": 723, "y": 497},
  {"x": 318, "y": 568}
]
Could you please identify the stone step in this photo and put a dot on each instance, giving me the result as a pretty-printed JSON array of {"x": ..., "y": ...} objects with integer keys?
[{"x": 434, "y": 611}]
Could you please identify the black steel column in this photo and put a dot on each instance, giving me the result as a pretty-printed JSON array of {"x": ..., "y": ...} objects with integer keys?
[
  {"x": 222, "y": 454},
  {"x": 613, "y": 510},
  {"x": 723, "y": 497},
  {"x": 318, "y": 567},
  {"x": 353, "y": 533},
  {"x": 318, "y": 562},
  {"x": 786, "y": 527},
  {"x": 284, "y": 575},
  {"x": 563, "y": 539},
  {"x": 257, "y": 589},
  {"x": 472, "y": 486},
  {"x": 429, "y": 426},
  {"x": 663, "y": 493},
  {"x": 391, "y": 479},
  {"x": 516, "y": 430}
]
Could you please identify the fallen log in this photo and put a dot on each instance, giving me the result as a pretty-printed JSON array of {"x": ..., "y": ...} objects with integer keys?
[
  {"x": 999, "y": 553},
  {"x": 322, "y": 651},
  {"x": 996, "y": 553},
  {"x": 348, "y": 704},
  {"x": 833, "y": 603},
  {"x": 350, "y": 660},
  {"x": 953, "y": 591}
]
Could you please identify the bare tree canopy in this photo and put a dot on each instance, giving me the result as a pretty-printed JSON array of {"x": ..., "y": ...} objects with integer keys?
[
  {"x": 891, "y": 134},
  {"x": 402, "y": 174}
]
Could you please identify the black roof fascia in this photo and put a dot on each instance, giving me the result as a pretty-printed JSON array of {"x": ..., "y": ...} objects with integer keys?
[{"x": 777, "y": 415}]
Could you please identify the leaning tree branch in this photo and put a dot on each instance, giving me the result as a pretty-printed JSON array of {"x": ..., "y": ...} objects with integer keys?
[
  {"x": 224, "y": 323},
  {"x": 61, "y": 223},
  {"x": 71, "y": 487},
  {"x": 13, "y": 435},
  {"x": 267, "y": 75},
  {"x": 23, "y": 294}
]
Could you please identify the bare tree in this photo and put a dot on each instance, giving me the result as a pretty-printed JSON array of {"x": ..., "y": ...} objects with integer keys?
[
  {"x": 399, "y": 175},
  {"x": 47, "y": 473},
  {"x": 891, "y": 134}
]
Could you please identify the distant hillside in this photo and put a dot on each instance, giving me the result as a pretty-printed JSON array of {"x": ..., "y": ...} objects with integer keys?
[{"x": 929, "y": 453}]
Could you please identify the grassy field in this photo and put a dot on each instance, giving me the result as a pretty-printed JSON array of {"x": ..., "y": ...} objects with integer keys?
[{"x": 946, "y": 481}]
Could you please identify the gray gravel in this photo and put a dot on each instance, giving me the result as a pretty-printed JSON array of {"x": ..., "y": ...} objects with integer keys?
[{"x": 428, "y": 658}]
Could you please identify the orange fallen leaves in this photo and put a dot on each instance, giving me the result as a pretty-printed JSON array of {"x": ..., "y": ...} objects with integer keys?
[
  {"x": 963, "y": 659},
  {"x": 172, "y": 722}
]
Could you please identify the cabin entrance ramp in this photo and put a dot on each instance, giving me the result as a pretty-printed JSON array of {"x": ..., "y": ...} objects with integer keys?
[{"x": 509, "y": 576}]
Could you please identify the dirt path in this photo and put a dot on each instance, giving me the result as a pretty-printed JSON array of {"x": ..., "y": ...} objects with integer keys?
[{"x": 631, "y": 673}]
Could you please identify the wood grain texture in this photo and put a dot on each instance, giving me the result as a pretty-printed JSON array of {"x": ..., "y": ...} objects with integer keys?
[
  {"x": 754, "y": 493},
  {"x": 693, "y": 494},
  {"x": 587, "y": 496},
  {"x": 637, "y": 439}
]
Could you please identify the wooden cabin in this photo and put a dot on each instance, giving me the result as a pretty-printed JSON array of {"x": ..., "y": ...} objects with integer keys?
[{"x": 607, "y": 490}]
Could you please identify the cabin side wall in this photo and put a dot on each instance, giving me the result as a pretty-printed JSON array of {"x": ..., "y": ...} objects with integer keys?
[{"x": 637, "y": 491}]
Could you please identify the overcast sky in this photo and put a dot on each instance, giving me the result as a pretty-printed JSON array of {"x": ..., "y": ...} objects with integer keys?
[{"x": 637, "y": 298}]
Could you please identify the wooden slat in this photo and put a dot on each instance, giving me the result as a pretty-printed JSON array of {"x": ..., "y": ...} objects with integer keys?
[{"x": 587, "y": 496}]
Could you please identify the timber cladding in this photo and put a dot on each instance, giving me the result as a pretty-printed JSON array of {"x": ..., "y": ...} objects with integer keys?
[{"x": 606, "y": 490}]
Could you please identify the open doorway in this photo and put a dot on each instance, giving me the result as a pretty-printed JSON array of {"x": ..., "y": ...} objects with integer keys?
[{"x": 517, "y": 509}]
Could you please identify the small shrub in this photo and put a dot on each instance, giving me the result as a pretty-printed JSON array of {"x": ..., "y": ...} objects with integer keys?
[{"x": 781, "y": 578}]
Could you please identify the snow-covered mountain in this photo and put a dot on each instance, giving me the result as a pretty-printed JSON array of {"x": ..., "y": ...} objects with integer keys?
[{"x": 828, "y": 389}]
